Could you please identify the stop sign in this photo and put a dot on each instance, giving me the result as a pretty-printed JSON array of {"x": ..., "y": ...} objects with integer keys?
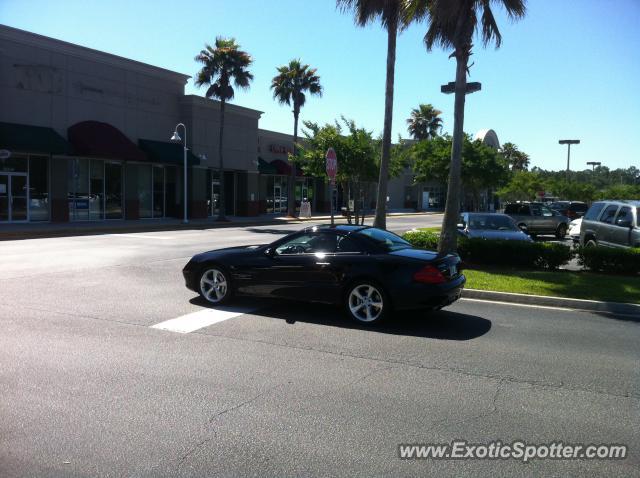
[{"x": 332, "y": 164}]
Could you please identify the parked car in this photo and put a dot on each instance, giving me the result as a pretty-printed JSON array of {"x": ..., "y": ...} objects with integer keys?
[
  {"x": 611, "y": 223},
  {"x": 367, "y": 270},
  {"x": 574, "y": 229},
  {"x": 490, "y": 226},
  {"x": 536, "y": 218},
  {"x": 571, "y": 209}
]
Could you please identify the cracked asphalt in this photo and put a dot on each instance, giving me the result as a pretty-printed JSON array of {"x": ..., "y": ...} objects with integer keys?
[{"x": 87, "y": 388}]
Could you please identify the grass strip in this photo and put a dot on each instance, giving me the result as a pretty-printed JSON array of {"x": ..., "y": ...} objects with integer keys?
[{"x": 577, "y": 285}]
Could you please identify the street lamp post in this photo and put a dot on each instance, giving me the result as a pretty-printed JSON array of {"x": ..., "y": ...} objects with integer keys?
[
  {"x": 176, "y": 138},
  {"x": 568, "y": 142}
]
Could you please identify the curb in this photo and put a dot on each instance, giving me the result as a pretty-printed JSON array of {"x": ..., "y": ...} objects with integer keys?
[
  {"x": 47, "y": 232},
  {"x": 564, "y": 302}
]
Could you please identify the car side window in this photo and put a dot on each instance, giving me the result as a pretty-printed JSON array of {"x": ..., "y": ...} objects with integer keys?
[
  {"x": 511, "y": 209},
  {"x": 608, "y": 214},
  {"x": 525, "y": 210},
  {"x": 624, "y": 215},
  {"x": 546, "y": 212},
  {"x": 308, "y": 244},
  {"x": 535, "y": 211},
  {"x": 593, "y": 211},
  {"x": 347, "y": 245}
]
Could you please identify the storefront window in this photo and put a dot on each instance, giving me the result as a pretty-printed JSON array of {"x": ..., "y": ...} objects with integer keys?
[
  {"x": 145, "y": 196},
  {"x": 158, "y": 191},
  {"x": 96, "y": 189},
  {"x": 78, "y": 187},
  {"x": 113, "y": 190},
  {"x": 213, "y": 196},
  {"x": 16, "y": 163},
  {"x": 39, "y": 188}
]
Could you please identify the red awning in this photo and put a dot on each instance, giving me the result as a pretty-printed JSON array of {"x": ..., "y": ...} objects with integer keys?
[
  {"x": 284, "y": 168},
  {"x": 93, "y": 138}
]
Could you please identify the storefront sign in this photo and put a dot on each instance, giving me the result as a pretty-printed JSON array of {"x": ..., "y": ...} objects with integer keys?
[{"x": 279, "y": 149}]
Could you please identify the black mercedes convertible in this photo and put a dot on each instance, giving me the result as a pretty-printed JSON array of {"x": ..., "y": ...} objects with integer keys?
[{"x": 369, "y": 271}]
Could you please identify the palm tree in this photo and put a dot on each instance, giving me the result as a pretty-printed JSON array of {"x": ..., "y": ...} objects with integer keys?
[
  {"x": 223, "y": 65},
  {"x": 392, "y": 15},
  {"x": 425, "y": 122},
  {"x": 289, "y": 87},
  {"x": 518, "y": 160},
  {"x": 452, "y": 24}
]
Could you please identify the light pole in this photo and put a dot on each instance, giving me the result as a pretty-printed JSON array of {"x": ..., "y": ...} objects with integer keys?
[
  {"x": 176, "y": 138},
  {"x": 568, "y": 142},
  {"x": 593, "y": 164}
]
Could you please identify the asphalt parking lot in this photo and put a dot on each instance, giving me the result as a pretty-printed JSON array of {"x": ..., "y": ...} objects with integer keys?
[{"x": 110, "y": 367}]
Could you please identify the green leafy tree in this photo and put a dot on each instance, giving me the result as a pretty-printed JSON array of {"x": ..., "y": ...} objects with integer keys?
[
  {"x": 523, "y": 186},
  {"x": 223, "y": 66},
  {"x": 394, "y": 17},
  {"x": 518, "y": 160},
  {"x": 424, "y": 122},
  {"x": 452, "y": 25},
  {"x": 289, "y": 87},
  {"x": 620, "y": 191},
  {"x": 482, "y": 166}
]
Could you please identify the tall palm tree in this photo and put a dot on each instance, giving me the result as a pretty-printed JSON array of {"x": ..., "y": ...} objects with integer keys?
[
  {"x": 425, "y": 122},
  {"x": 289, "y": 87},
  {"x": 392, "y": 15},
  {"x": 452, "y": 24},
  {"x": 518, "y": 160},
  {"x": 223, "y": 65}
]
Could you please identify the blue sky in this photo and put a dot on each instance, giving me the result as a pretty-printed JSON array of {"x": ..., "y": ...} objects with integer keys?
[{"x": 568, "y": 70}]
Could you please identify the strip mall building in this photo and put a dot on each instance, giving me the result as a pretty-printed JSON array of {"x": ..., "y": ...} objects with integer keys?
[{"x": 84, "y": 135}]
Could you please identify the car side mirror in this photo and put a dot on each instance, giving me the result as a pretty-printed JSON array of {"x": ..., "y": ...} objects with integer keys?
[
  {"x": 624, "y": 223},
  {"x": 523, "y": 228},
  {"x": 270, "y": 251},
  {"x": 460, "y": 226}
]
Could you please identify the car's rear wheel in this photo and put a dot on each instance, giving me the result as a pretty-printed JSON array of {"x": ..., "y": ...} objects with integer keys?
[
  {"x": 591, "y": 243},
  {"x": 561, "y": 231},
  {"x": 215, "y": 286},
  {"x": 366, "y": 302}
]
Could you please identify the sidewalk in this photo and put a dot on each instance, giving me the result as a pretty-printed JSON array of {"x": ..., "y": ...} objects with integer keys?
[{"x": 83, "y": 228}]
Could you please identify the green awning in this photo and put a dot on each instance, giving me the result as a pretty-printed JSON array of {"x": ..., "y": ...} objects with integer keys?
[
  {"x": 32, "y": 139},
  {"x": 266, "y": 168},
  {"x": 165, "y": 152}
]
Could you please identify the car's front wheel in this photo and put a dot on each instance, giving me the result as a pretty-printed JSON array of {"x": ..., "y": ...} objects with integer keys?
[
  {"x": 366, "y": 302},
  {"x": 561, "y": 231},
  {"x": 215, "y": 286}
]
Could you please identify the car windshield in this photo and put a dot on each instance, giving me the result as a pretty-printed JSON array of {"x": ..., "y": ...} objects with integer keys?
[
  {"x": 384, "y": 238},
  {"x": 492, "y": 222}
]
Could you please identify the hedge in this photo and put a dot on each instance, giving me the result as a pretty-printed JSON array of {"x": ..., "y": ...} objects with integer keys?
[
  {"x": 613, "y": 260},
  {"x": 533, "y": 255}
]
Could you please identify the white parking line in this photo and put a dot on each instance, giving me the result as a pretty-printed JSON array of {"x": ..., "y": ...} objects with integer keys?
[{"x": 203, "y": 318}]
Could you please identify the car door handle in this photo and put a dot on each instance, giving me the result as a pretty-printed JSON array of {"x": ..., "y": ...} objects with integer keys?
[{"x": 323, "y": 263}]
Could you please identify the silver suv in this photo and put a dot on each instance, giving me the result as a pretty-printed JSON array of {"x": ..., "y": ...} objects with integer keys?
[
  {"x": 611, "y": 223},
  {"x": 536, "y": 218}
]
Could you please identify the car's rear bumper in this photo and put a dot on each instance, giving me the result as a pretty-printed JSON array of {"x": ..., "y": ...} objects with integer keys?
[{"x": 417, "y": 295}]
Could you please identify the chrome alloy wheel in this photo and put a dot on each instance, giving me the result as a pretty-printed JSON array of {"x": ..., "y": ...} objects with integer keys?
[
  {"x": 213, "y": 285},
  {"x": 365, "y": 303}
]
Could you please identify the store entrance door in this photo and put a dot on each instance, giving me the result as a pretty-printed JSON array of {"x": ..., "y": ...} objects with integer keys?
[{"x": 14, "y": 192}]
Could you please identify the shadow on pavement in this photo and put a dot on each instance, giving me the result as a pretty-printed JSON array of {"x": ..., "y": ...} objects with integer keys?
[{"x": 442, "y": 325}]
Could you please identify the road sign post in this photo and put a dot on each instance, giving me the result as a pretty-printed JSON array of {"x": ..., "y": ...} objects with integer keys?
[{"x": 332, "y": 169}]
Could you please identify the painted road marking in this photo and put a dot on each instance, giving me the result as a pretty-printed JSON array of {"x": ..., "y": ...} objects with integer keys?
[{"x": 203, "y": 318}]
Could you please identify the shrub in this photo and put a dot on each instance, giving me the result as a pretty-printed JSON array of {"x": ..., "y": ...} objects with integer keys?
[
  {"x": 423, "y": 239},
  {"x": 611, "y": 260},
  {"x": 529, "y": 255}
]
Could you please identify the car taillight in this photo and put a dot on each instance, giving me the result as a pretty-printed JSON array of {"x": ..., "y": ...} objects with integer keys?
[{"x": 429, "y": 275}]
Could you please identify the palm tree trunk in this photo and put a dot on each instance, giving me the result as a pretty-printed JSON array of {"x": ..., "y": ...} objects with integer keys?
[
  {"x": 291, "y": 188},
  {"x": 381, "y": 202},
  {"x": 221, "y": 203},
  {"x": 449, "y": 236}
]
